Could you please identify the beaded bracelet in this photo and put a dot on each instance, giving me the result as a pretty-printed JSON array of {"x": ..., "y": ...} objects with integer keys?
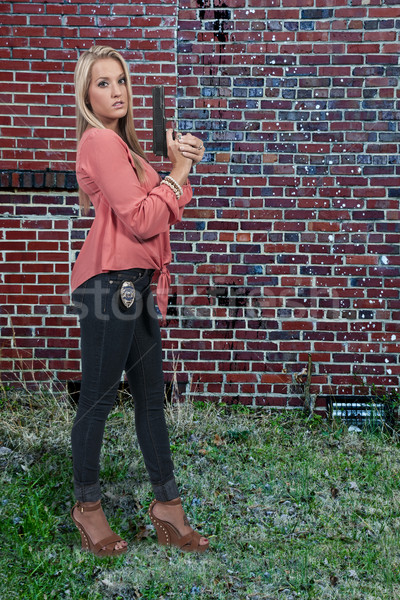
[
  {"x": 175, "y": 183},
  {"x": 172, "y": 187}
]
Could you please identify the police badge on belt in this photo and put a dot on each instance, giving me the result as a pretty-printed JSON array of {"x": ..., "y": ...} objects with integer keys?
[{"x": 127, "y": 293}]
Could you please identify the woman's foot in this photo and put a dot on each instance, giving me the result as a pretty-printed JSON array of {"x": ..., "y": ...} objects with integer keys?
[
  {"x": 174, "y": 514},
  {"x": 95, "y": 524}
]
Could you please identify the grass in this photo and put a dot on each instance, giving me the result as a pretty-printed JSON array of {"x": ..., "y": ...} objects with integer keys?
[{"x": 293, "y": 508}]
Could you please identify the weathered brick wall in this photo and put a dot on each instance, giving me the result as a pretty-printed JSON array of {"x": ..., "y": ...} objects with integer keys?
[
  {"x": 41, "y": 229},
  {"x": 290, "y": 246}
]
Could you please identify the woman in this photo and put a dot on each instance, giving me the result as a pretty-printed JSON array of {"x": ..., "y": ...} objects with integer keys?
[{"x": 127, "y": 243}]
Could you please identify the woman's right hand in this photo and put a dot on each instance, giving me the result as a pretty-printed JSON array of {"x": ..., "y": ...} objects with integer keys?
[
  {"x": 175, "y": 155},
  {"x": 184, "y": 151}
]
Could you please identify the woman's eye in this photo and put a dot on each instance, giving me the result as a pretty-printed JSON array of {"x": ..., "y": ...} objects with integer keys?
[
  {"x": 122, "y": 80},
  {"x": 102, "y": 83}
]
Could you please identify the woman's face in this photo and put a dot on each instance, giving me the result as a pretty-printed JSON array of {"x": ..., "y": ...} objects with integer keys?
[{"x": 107, "y": 92}]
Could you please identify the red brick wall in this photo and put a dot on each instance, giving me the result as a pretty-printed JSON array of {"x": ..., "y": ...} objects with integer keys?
[{"x": 290, "y": 246}]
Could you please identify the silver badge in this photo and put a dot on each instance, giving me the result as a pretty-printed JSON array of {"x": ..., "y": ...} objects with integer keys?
[{"x": 127, "y": 294}]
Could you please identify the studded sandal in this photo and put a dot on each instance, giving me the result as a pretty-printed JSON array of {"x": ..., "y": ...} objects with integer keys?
[
  {"x": 168, "y": 535},
  {"x": 102, "y": 547}
]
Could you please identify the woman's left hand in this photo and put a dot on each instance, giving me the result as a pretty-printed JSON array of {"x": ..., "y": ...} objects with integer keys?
[{"x": 191, "y": 146}]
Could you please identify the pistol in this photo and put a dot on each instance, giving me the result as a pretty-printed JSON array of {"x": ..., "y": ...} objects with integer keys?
[{"x": 159, "y": 131}]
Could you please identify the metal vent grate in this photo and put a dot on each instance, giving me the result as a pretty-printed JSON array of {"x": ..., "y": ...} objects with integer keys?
[{"x": 360, "y": 412}]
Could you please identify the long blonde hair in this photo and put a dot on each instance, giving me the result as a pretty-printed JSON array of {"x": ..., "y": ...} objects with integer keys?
[{"x": 86, "y": 118}]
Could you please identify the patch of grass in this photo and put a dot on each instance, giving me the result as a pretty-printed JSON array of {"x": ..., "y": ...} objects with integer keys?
[{"x": 293, "y": 508}]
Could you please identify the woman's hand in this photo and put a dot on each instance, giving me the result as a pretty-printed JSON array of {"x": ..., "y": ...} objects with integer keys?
[
  {"x": 191, "y": 147},
  {"x": 184, "y": 150}
]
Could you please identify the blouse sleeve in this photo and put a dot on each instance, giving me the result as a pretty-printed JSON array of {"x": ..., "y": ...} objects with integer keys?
[{"x": 104, "y": 160}]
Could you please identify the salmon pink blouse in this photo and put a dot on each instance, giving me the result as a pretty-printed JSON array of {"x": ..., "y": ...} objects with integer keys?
[{"x": 132, "y": 222}]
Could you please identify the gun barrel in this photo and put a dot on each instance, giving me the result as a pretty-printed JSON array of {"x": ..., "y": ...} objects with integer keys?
[{"x": 159, "y": 127}]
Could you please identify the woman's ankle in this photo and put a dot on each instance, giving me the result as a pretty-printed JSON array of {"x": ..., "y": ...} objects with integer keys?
[
  {"x": 88, "y": 506},
  {"x": 173, "y": 502}
]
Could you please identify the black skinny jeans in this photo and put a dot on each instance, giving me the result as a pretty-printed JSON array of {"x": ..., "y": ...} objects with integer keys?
[{"x": 113, "y": 339}]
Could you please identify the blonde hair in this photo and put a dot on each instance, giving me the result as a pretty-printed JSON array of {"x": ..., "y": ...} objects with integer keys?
[{"x": 85, "y": 116}]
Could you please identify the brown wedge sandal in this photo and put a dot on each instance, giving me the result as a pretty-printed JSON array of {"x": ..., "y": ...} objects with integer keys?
[
  {"x": 101, "y": 548},
  {"x": 168, "y": 535}
]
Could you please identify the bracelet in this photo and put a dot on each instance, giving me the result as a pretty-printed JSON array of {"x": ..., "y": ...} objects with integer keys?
[
  {"x": 172, "y": 187},
  {"x": 175, "y": 183}
]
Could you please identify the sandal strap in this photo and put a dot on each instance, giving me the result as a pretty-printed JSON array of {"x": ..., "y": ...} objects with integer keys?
[
  {"x": 111, "y": 539},
  {"x": 192, "y": 538},
  {"x": 80, "y": 506},
  {"x": 171, "y": 502}
]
